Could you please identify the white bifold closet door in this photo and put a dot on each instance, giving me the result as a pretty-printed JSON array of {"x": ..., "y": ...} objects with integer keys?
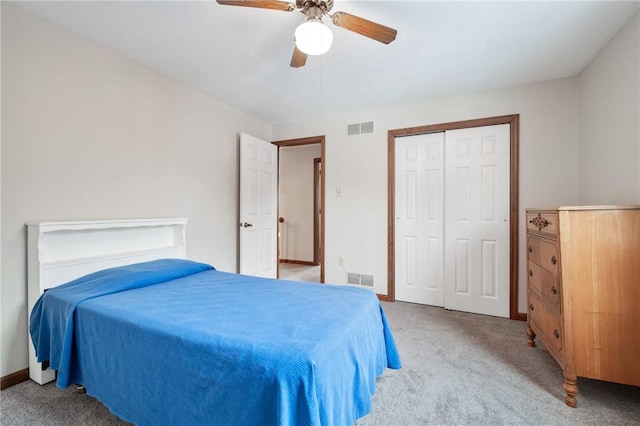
[
  {"x": 452, "y": 219},
  {"x": 419, "y": 212}
]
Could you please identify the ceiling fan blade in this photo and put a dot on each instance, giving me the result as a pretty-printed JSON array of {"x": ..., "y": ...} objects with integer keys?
[
  {"x": 364, "y": 27},
  {"x": 299, "y": 58},
  {"x": 262, "y": 4}
]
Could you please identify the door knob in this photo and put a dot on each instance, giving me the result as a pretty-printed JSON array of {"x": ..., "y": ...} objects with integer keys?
[{"x": 246, "y": 225}]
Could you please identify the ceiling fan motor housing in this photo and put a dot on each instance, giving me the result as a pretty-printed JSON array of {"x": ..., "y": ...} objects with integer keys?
[{"x": 310, "y": 7}]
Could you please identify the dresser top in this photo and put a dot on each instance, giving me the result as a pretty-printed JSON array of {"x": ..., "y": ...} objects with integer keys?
[{"x": 601, "y": 207}]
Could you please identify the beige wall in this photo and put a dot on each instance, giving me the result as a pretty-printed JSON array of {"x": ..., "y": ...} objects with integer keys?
[
  {"x": 88, "y": 134},
  {"x": 609, "y": 155},
  {"x": 356, "y": 224},
  {"x": 592, "y": 119},
  {"x": 2, "y": 355}
]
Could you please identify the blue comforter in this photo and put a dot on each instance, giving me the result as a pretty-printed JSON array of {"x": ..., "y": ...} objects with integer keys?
[{"x": 177, "y": 342}]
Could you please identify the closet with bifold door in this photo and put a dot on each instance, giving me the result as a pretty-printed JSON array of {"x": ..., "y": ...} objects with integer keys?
[{"x": 452, "y": 219}]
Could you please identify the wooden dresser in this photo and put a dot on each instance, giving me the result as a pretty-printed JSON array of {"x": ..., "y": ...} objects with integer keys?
[{"x": 583, "y": 291}]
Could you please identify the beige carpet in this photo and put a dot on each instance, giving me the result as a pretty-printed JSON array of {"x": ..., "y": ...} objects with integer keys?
[
  {"x": 295, "y": 272},
  {"x": 467, "y": 369},
  {"x": 458, "y": 369}
]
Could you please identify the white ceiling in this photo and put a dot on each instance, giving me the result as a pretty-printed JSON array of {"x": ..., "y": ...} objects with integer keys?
[{"x": 241, "y": 55}]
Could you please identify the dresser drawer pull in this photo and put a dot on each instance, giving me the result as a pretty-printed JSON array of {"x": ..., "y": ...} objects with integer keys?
[
  {"x": 553, "y": 260},
  {"x": 530, "y": 273},
  {"x": 554, "y": 290},
  {"x": 531, "y": 306},
  {"x": 539, "y": 222},
  {"x": 556, "y": 334},
  {"x": 530, "y": 249}
]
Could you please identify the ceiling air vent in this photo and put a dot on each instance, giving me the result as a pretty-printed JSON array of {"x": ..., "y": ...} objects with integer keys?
[{"x": 359, "y": 128}]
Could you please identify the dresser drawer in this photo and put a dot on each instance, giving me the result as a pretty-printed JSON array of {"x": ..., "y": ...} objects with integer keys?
[
  {"x": 546, "y": 284},
  {"x": 543, "y": 252},
  {"x": 545, "y": 223},
  {"x": 546, "y": 324}
]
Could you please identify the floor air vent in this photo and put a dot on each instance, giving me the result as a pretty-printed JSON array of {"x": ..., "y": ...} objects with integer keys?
[{"x": 360, "y": 279}]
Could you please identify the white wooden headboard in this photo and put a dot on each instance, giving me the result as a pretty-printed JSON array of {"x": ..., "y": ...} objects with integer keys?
[{"x": 58, "y": 252}]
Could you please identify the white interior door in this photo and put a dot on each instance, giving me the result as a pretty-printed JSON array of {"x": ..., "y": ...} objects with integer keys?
[
  {"x": 477, "y": 220},
  {"x": 258, "y": 207},
  {"x": 419, "y": 224}
]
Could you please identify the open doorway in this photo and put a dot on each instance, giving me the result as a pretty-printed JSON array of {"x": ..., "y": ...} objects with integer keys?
[{"x": 301, "y": 209}]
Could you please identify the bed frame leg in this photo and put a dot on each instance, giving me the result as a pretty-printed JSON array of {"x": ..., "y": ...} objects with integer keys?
[{"x": 80, "y": 389}]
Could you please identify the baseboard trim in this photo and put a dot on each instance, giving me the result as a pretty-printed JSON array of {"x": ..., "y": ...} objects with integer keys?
[
  {"x": 14, "y": 378},
  {"x": 385, "y": 298},
  {"x": 298, "y": 262}
]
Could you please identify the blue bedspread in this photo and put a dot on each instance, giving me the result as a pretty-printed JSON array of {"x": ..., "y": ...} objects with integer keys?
[{"x": 200, "y": 346}]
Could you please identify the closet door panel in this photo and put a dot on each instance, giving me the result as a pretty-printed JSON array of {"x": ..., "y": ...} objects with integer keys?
[
  {"x": 477, "y": 218},
  {"x": 419, "y": 221}
]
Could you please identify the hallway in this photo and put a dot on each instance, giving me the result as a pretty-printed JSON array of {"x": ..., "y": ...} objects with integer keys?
[{"x": 296, "y": 272}]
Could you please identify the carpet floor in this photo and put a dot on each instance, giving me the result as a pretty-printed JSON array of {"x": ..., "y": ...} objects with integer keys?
[
  {"x": 295, "y": 272},
  {"x": 458, "y": 369}
]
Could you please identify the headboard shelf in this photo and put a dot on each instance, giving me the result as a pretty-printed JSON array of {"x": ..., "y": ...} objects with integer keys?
[
  {"x": 52, "y": 226},
  {"x": 58, "y": 241},
  {"x": 90, "y": 259},
  {"x": 61, "y": 251}
]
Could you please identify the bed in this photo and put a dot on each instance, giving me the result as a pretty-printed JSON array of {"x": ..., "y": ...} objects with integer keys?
[{"x": 164, "y": 340}]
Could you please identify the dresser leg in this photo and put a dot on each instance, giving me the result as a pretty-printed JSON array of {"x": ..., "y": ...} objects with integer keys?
[
  {"x": 530, "y": 336},
  {"x": 571, "y": 389}
]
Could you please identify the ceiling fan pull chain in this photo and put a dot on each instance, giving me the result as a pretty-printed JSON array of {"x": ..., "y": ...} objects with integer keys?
[{"x": 321, "y": 73}]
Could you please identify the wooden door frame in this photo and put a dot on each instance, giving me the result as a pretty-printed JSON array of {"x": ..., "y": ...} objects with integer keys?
[
  {"x": 317, "y": 173},
  {"x": 514, "y": 122},
  {"x": 312, "y": 140}
]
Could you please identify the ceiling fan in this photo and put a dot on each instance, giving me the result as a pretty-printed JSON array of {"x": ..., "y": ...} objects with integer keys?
[{"x": 313, "y": 37}]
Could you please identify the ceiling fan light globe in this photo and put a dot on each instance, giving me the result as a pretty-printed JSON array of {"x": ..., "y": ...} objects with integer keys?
[{"x": 313, "y": 38}]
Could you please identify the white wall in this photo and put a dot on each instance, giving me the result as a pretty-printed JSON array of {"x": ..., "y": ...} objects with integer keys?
[
  {"x": 592, "y": 119},
  {"x": 89, "y": 134},
  {"x": 296, "y": 201},
  {"x": 356, "y": 224},
  {"x": 2, "y": 356},
  {"x": 609, "y": 87}
]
